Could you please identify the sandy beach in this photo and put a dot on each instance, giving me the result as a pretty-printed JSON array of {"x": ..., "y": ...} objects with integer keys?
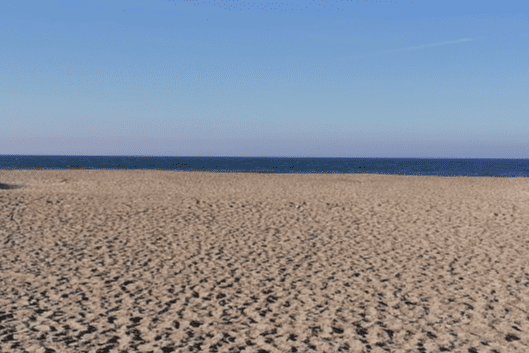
[{"x": 164, "y": 261}]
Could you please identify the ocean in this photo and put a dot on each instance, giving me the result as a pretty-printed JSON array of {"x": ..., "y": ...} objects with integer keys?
[{"x": 338, "y": 165}]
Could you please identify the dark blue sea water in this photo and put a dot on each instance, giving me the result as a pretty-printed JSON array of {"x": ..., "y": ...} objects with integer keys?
[{"x": 398, "y": 166}]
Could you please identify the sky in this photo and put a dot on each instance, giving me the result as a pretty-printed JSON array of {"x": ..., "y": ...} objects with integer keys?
[{"x": 311, "y": 78}]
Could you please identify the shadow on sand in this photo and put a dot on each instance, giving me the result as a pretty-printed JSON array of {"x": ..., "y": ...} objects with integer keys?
[{"x": 10, "y": 187}]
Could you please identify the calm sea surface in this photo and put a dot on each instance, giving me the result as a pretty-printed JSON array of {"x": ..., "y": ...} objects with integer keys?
[{"x": 399, "y": 166}]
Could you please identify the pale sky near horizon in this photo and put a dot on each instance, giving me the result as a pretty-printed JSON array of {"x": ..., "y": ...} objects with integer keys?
[{"x": 421, "y": 78}]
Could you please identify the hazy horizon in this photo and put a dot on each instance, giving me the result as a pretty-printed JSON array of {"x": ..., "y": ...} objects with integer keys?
[{"x": 404, "y": 79}]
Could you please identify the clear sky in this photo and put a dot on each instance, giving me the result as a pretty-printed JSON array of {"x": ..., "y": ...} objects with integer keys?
[{"x": 421, "y": 78}]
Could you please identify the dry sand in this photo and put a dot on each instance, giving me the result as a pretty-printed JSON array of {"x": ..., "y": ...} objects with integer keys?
[{"x": 165, "y": 261}]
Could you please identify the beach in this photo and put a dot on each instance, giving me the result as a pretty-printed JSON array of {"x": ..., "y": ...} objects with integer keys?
[{"x": 166, "y": 261}]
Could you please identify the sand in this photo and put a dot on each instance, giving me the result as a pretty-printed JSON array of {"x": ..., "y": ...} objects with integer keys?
[{"x": 165, "y": 261}]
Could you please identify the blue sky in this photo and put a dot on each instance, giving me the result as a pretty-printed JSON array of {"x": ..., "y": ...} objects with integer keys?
[{"x": 427, "y": 78}]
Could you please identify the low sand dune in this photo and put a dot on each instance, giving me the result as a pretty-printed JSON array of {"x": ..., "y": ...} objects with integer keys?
[{"x": 165, "y": 261}]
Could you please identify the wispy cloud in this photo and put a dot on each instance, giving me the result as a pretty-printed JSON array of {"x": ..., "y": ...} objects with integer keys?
[
  {"x": 430, "y": 45},
  {"x": 406, "y": 49}
]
